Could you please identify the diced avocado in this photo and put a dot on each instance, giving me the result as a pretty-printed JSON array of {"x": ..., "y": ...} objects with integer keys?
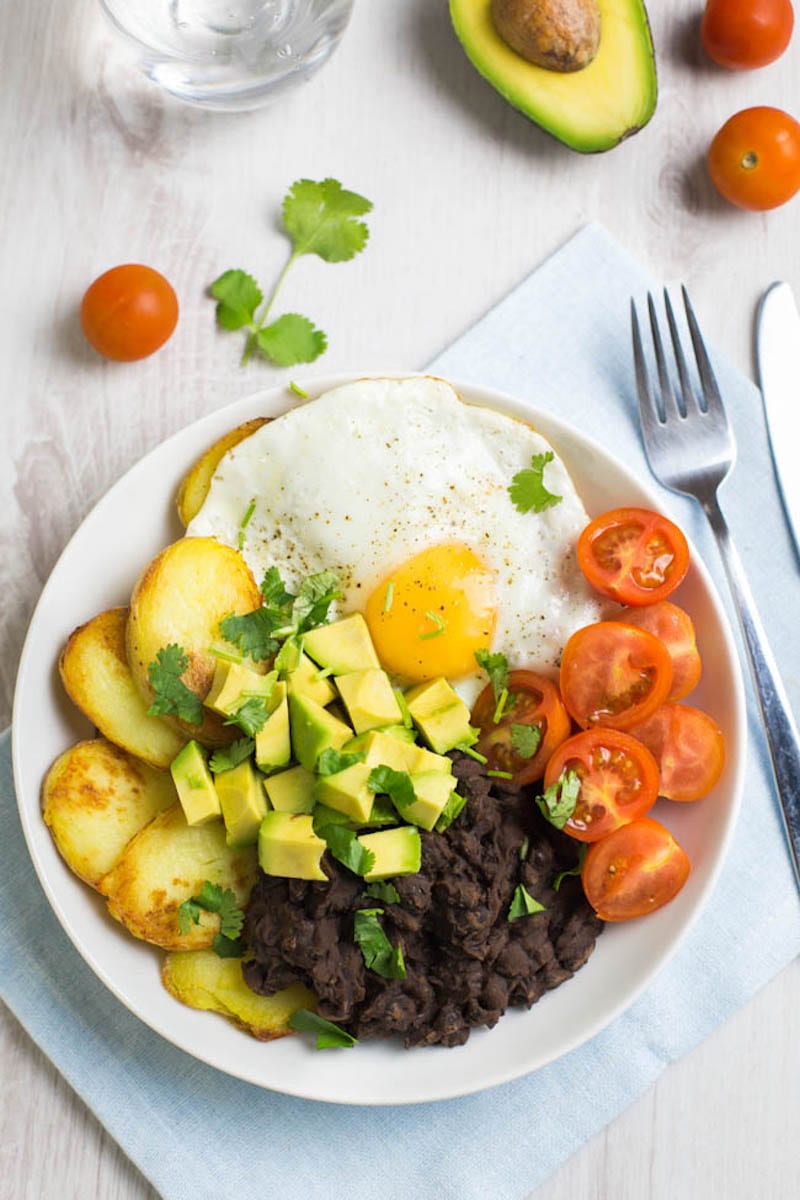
[
  {"x": 432, "y": 790},
  {"x": 397, "y": 852},
  {"x": 288, "y": 846},
  {"x": 291, "y": 791},
  {"x": 383, "y": 813},
  {"x": 401, "y": 733},
  {"x": 273, "y": 744},
  {"x": 439, "y": 714},
  {"x": 194, "y": 785},
  {"x": 347, "y": 791},
  {"x": 426, "y": 760},
  {"x": 314, "y": 729},
  {"x": 590, "y": 109},
  {"x": 305, "y": 680},
  {"x": 233, "y": 684},
  {"x": 343, "y": 646},
  {"x": 243, "y": 803},
  {"x": 383, "y": 751},
  {"x": 369, "y": 699}
]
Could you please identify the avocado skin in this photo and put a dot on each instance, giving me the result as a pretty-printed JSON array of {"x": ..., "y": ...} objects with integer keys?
[{"x": 566, "y": 106}]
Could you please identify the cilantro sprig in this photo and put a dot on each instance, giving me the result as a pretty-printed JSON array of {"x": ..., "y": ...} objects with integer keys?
[
  {"x": 379, "y": 954},
  {"x": 321, "y": 218},
  {"x": 171, "y": 695},
  {"x": 558, "y": 802},
  {"x": 328, "y": 1035},
  {"x": 528, "y": 491},
  {"x": 251, "y": 717},
  {"x": 212, "y": 898},
  {"x": 283, "y": 617}
]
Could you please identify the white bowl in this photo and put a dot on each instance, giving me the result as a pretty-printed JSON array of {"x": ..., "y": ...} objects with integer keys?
[{"x": 98, "y": 569}]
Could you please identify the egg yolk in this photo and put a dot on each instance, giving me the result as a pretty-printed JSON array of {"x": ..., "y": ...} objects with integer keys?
[{"x": 432, "y": 613}]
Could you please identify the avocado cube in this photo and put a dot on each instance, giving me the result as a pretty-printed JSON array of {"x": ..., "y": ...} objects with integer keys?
[
  {"x": 243, "y": 803},
  {"x": 233, "y": 684},
  {"x": 401, "y": 733},
  {"x": 382, "y": 750},
  {"x": 439, "y": 714},
  {"x": 194, "y": 785},
  {"x": 426, "y": 760},
  {"x": 397, "y": 852},
  {"x": 347, "y": 791},
  {"x": 288, "y": 846},
  {"x": 291, "y": 791},
  {"x": 273, "y": 744},
  {"x": 314, "y": 729},
  {"x": 305, "y": 680},
  {"x": 369, "y": 699},
  {"x": 432, "y": 790},
  {"x": 343, "y": 646}
]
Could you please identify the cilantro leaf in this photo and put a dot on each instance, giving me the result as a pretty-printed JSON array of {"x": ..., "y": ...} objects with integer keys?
[
  {"x": 320, "y": 219},
  {"x": 251, "y": 717},
  {"x": 383, "y": 891},
  {"x": 379, "y": 954},
  {"x": 188, "y": 915},
  {"x": 314, "y": 598},
  {"x": 239, "y": 296},
  {"x": 525, "y": 739},
  {"x": 228, "y": 757},
  {"x": 290, "y": 340},
  {"x": 172, "y": 696},
  {"x": 523, "y": 904},
  {"x": 576, "y": 870},
  {"x": 288, "y": 657},
  {"x": 331, "y": 761},
  {"x": 558, "y": 802},
  {"x": 528, "y": 492},
  {"x": 347, "y": 849},
  {"x": 211, "y": 898},
  {"x": 328, "y": 1034},
  {"x": 273, "y": 589},
  {"x": 496, "y": 667},
  {"x": 395, "y": 784},
  {"x": 252, "y": 632},
  {"x": 451, "y": 810},
  {"x": 225, "y": 947}
]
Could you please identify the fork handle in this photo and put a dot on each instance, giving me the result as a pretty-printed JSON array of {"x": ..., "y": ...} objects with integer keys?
[{"x": 783, "y": 739}]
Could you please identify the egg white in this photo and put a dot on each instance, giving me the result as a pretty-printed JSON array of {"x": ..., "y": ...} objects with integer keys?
[{"x": 371, "y": 473}]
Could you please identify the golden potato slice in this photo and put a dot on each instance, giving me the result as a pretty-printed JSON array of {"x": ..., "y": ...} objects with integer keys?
[
  {"x": 95, "y": 672},
  {"x": 181, "y": 598},
  {"x": 95, "y": 798},
  {"x": 167, "y": 863},
  {"x": 195, "y": 484},
  {"x": 200, "y": 979}
]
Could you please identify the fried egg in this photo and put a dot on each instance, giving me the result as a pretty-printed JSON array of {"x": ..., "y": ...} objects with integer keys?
[{"x": 402, "y": 489}]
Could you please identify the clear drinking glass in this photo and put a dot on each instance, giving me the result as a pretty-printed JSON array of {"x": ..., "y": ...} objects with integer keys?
[{"x": 230, "y": 55}]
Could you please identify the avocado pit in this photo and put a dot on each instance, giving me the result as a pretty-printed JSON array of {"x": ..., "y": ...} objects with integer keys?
[{"x": 559, "y": 35}]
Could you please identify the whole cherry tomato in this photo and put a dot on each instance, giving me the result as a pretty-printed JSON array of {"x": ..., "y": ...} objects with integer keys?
[
  {"x": 689, "y": 748},
  {"x": 129, "y": 312},
  {"x": 742, "y": 34},
  {"x": 533, "y": 701},
  {"x": 754, "y": 160},
  {"x": 675, "y": 629},
  {"x": 614, "y": 675},
  {"x": 633, "y": 555},
  {"x": 635, "y": 870}
]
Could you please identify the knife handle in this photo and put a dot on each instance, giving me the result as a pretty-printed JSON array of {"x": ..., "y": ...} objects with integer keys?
[{"x": 783, "y": 739}]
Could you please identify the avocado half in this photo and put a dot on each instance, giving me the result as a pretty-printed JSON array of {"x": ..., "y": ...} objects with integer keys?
[{"x": 588, "y": 110}]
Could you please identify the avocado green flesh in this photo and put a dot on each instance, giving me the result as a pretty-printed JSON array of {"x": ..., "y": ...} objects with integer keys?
[{"x": 588, "y": 110}]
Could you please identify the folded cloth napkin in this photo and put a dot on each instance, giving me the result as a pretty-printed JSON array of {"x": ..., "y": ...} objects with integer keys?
[{"x": 561, "y": 339}]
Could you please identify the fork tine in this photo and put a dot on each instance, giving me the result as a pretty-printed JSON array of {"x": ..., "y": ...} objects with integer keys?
[
  {"x": 687, "y": 392},
  {"x": 648, "y": 412},
  {"x": 669, "y": 405},
  {"x": 711, "y": 394}
]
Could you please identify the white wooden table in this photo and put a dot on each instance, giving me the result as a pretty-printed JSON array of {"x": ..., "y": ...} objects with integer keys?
[{"x": 98, "y": 168}]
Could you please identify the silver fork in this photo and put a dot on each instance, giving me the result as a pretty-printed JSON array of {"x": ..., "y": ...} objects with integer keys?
[{"x": 691, "y": 449}]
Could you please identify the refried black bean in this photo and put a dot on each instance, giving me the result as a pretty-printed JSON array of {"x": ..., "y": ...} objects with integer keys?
[{"x": 465, "y": 961}]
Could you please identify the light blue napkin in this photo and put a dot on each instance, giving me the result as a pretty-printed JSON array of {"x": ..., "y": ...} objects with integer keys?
[{"x": 561, "y": 339}]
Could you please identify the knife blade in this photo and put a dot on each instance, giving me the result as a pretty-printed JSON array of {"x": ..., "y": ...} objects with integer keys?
[{"x": 778, "y": 352}]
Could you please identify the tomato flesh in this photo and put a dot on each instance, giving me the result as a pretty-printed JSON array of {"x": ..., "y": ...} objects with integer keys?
[
  {"x": 634, "y": 871},
  {"x": 744, "y": 34},
  {"x": 614, "y": 674},
  {"x": 129, "y": 312},
  {"x": 689, "y": 748},
  {"x": 675, "y": 629},
  {"x": 533, "y": 700},
  {"x": 618, "y": 781},
  {"x": 754, "y": 159},
  {"x": 633, "y": 555}
]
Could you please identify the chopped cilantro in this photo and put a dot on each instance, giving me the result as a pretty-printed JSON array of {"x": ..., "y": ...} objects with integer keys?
[
  {"x": 395, "y": 784},
  {"x": 346, "y": 848},
  {"x": 402, "y": 704},
  {"x": 499, "y": 775},
  {"x": 525, "y": 739},
  {"x": 273, "y": 589},
  {"x": 211, "y": 898},
  {"x": 558, "y": 802},
  {"x": 379, "y": 954},
  {"x": 524, "y": 848},
  {"x": 225, "y": 655},
  {"x": 314, "y": 598},
  {"x": 298, "y": 391},
  {"x": 528, "y": 492},
  {"x": 331, "y": 761},
  {"x": 387, "y": 604},
  {"x": 496, "y": 667},
  {"x": 246, "y": 519},
  {"x": 438, "y": 621},
  {"x": 382, "y": 890},
  {"x": 451, "y": 810},
  {"x": 523, "y": 904},
  {"x": 251, "y": 717},
  {"x": 576, "y": 870},
  {"x": 172, "y": 696},
  {"x": 328, "y": 1034},
  {"x": 465, "y": 748},
  {"x": 500, "y": 707},
  {"x": 228, "y": 757},
  {"x": 288, "y": 657},
  {"x": 252, "y": 632}
]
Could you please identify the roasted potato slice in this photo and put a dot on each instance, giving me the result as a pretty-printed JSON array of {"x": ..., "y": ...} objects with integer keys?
[
  {"x": 181, "y": 598},
  {"x": 95, "y": 798},
  {"x": 202, "y": 980},
  {"x": 95, "y": 672},
  {"x": 167, "y": 863},
  {"x": 195, "y": 484}
]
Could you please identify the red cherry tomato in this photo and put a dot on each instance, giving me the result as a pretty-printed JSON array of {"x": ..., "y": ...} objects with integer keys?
[
  {"x": 533, "y": 700},
  {"x": 635, "y": 870},
  {"x": 675, "y": 629},
  {"x": 633, "y": 555},
  {"x": 129, "y": 312},
  {"x": 618, "y": 781},
  {"x": 614, "y": 675},
  {"x": 754, "y": 160},
  {"x": 689, "y": 748},
  {"x": 742, "y": 34}
]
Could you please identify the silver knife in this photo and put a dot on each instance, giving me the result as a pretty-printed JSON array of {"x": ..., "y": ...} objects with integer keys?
[{"x": 778, "y": 342}]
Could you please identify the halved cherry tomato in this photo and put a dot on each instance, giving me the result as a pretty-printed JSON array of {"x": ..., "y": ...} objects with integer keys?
[
  {"x": 128, "y": 312},
  {"x": 614, "y": 675},
  {"x": 618, "y": 781},
  {"x": 633, "y": 555},
  {"x": 689, "y": 748},
  {"x": 754, "y": 159},
  {"x": 675, "y": 629},
  {"x": 742, "y": 34},
  {"x": 533, "y": 700},
  {"x": 634, "y": 871}
]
